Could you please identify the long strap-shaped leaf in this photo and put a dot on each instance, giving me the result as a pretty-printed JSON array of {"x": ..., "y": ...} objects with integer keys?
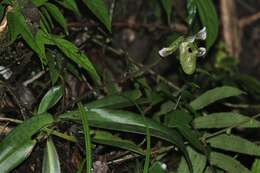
[
  {"x": 17, "y": 145},
  {"x": 130, "y": 122}
]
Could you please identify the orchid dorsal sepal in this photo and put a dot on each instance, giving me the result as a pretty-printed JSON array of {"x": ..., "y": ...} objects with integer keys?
[{"x": 202, "y": 34}]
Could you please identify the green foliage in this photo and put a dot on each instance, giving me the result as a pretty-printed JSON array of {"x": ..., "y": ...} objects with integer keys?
[
  {"x": 184, "y": 117},
  {"x": 256, "y": 166},
  {"x": 227, "y": 163},
  {"x": 235, "y": 144},
  {"x": 85, "y": 122},
  {"x": 214, "y": 95},
  {"x": 100, "y": 10},
  {"x": 225, "y": 119},
  {"x": 51, "y": 163},
  {"x": 167, "y": 6},
  {"x": 57, "y": 15},
  {"x": 50, "y": 99},
  {"x": 209, "y": 19},
  {"x": 192, "y": 11},
  {"x": 106, "y": 138},
  {"x": 18, "y": 144}
]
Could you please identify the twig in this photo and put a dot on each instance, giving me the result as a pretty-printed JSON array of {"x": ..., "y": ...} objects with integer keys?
[
  {"x": 133, "y": 156},
  {"x": 34, "y": 78},
  {"x": 245, "y": 21},
  {"x": 11, "y": 120},
  {"x": 230, "y": 27},
  {"x": 135, "y": 26}
]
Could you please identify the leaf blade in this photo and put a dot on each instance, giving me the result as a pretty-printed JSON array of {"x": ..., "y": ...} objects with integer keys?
[
  {"x": 50, "y": 99},
  {"x": 214, "y": 95},
  {"x": 227, "y": 163},
  {"x": 225, "y": 119},
  {"x": 100, "y": 10},
  {"x": 51, "y": 163},
  {"x": 209, "y": 19}
]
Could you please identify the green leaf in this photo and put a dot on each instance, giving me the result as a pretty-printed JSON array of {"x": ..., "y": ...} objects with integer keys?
[
  {"x": 41, "y": 39},
  {"x": 214, "y": 95},
  {"x": 107, "y": 138},
  {"x": 53, "y": 68},
  {"x": 12, "y": 28},
  {"x": 181, "y": 120},
  {"x": 129, "y": 122},
  {"x": 198, "y": 162},
  {"x": 51, "y": 163},
  {"x": 84, "y": 117},
  {"x": 225, "y": 119},
  {"x": 72, "y": 52},
  {"x": 57, "y": 15},
  {"x": 50, "y": 99},
  {"x": 18, "y": 144},
  {"x": 100, "y": 10},
  {"x": 116, "y": 101},
  {"x": 256, "y": 166},
  {"x": 167, "y": 6},
  {"x": 14, "y": 158},
  {"x": 157, "y": 167},
  {"x": 70, "y": 4},
  {"x": 209, "y": 19},
  {"x": 227, "y": 163},
  {"x": 235, "y": 144},
  {"x": 20, "y": 26},
  {"x": 250, "y": 83},
  {"x": 192, "y": 11},
  {"x": 48, "y": 20}
]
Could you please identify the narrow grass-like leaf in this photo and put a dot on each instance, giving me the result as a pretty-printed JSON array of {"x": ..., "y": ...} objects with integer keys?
[
  {"x": 74, "y": 53},
  {"x": 227, "y": 163},
  {"x": 57, "y": 15},
  {"x": 107, "y": 138},
  {"x": 198, "y": 162},
  {"x": 51, "y": 163},
  {"x": 100, "y": 10},
  {"x": 50, "y": 99},
  {"x": 225, "y": 119},
  {"x": 235, "y": 144},
  {"x": 16, "y": 146},
  {"x": 209, "y": 19},
  {"x": 84, "y": 117},
  {"x": 256, "y": 166},
  {"x": 116, "y": 101},
  {"x": 129, "y": 122},
  {"x": 214, "y": 95}
]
